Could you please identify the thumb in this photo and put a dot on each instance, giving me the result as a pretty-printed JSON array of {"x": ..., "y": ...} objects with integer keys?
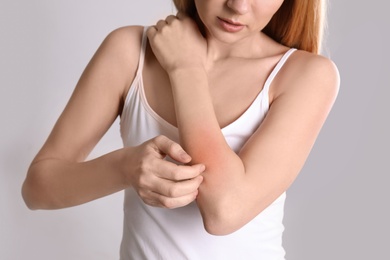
[{"x": 172, "y": 149}]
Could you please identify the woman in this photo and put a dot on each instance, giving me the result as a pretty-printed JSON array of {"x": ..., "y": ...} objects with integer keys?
[{"x": 220, "y": 106}]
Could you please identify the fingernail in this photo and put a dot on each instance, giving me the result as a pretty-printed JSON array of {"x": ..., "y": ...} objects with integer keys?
[
  {"x": 185, "y": 156},
  {"x": 202, "y": 168}
]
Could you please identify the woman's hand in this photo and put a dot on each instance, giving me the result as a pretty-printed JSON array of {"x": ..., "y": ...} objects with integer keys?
[
  {"x": 177, "y": 43},
  {"x": 160, "y": 182}
]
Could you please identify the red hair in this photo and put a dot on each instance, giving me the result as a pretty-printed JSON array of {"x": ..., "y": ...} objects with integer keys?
[{"x": 297, "y": 23}]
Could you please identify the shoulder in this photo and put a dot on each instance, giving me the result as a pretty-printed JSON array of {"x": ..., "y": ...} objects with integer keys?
[
  {"x": 310, "y": 75},
  {"x": 119, "y": 54},
  {"x": 125, "y": 35},
  {"x": 310, "y": 64},
  {"x": 124, "y": 43}
]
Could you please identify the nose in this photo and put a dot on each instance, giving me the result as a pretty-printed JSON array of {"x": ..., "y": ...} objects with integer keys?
[{"x": 239, "y": 6}]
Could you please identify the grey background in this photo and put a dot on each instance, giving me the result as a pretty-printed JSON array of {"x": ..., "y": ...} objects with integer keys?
[{"x": 337, "y": 208}]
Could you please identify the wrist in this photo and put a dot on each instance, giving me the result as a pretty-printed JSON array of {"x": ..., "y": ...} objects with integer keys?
[
  {"x": 195, "y": 76},
  {"x": 120, "y": 163},
  {"x": 190, "y": 69}
]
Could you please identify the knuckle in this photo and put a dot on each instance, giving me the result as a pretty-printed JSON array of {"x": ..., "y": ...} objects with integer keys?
[
  {"x": 169, "y": 17},
  {"x": 168, "y": 203},
  {"x": 142, "y": 169},
  {"x": 150, "y": 202},
  {"x": 161, "y": 22},
  {"x": 175, "y": 173},
  {"x": 144, "y": 176},
  {"x": 143, "y": 194},
  {"x": 142, "y": 181},
  {"x": 174, "y": 191},
  {"x": 143, "y": 164},
  {"x": 159, "y": 139},
  {"x": 148, "y": 199}
]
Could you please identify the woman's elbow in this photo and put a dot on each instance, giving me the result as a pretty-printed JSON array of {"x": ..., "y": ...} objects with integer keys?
[
  {"x": 222, "y": 225},
  {"x": 222, "y": 219},
  {"x": 33, "y": 192},
  {"x": 28, "y": 196},
  {"x": 222, "y": 214}
]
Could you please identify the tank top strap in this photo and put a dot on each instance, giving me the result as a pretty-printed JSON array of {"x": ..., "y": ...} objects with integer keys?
[
  {"x": 277, "y": 68},
  {"x": 142, "y": 52}
]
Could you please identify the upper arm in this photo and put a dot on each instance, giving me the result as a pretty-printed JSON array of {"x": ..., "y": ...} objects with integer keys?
[
  {"x": 304, "y": 96},
  {"x": 242, "y": 186},
  {"x": 97, "y": 98},
  {"x": 305, "y": 92}
]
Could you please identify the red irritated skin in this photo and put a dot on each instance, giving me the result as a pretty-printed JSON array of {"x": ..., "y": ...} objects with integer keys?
[
  {"x": 237, "y": 187},
  {"x": 59, "y": 176},
  {"x": 207, "y": 83}
]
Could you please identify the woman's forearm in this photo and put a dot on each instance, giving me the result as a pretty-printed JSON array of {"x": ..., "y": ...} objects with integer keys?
[
  {"x": 196, "y": 119},
  {"x": 58, "y": 183},
  {"x": 201, "y": 137},
  {"x": 55, "y": 183}
]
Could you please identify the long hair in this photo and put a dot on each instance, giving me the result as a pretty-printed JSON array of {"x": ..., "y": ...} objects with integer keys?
[{"x": 297, "y": 23}]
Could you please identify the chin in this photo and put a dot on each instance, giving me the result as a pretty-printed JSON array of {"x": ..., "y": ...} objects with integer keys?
[{"x": 227, "y": 37}]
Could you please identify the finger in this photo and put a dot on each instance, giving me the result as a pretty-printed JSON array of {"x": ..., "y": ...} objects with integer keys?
[
  {"x": 157, "y": 200},
  {"x": 171, "y": 171},
  {"x": 172, "y": 203},
  {"x": 172, "y": 149},
  {"x": 180, "y": 15},
  {"x": 151, "y": 31},
  {"x": 172, "y": 189},
  {"x": 160, "y": 24},
  {"x": 170, "y": 19}
]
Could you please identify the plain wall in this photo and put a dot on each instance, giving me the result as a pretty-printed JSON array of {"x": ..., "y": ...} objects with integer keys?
[{"x": 338, "y": 207}]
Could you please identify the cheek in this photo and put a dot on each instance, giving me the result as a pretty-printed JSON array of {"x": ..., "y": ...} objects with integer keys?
[
  {"x": 267, "y": 8},
  {"x": 270, "y": 7},
  {"x": 205, "y": 10},
  {"x": 275, "y": 5}
]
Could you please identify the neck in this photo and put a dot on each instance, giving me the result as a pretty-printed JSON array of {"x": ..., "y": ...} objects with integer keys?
[
  {"x": 218, "y": 50},
  {"x": 246, "y": 48}
]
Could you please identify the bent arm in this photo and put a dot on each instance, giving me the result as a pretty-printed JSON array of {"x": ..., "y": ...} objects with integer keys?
[
  {"x": 54, "y": 183},
  {"x": 237, "y": 187},
  {"x": 58, "y": 176}
]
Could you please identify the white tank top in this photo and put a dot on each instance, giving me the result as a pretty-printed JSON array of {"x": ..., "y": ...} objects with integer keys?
[{"x": 174, "y": 234}]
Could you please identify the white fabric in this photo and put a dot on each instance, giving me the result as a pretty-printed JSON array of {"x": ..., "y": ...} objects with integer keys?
[{"x": 156, "y": 233}]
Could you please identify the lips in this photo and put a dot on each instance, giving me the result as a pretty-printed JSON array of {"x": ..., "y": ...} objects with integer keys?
[{"x": 230, "y": 25}]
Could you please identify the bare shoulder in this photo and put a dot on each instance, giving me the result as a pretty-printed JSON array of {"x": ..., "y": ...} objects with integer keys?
[
  {"x": 316, "y": 66},
  {"x": 310, "y": 75},
  {"x": 121, "y": 48},
  {"x": 126, "y": 38}
]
